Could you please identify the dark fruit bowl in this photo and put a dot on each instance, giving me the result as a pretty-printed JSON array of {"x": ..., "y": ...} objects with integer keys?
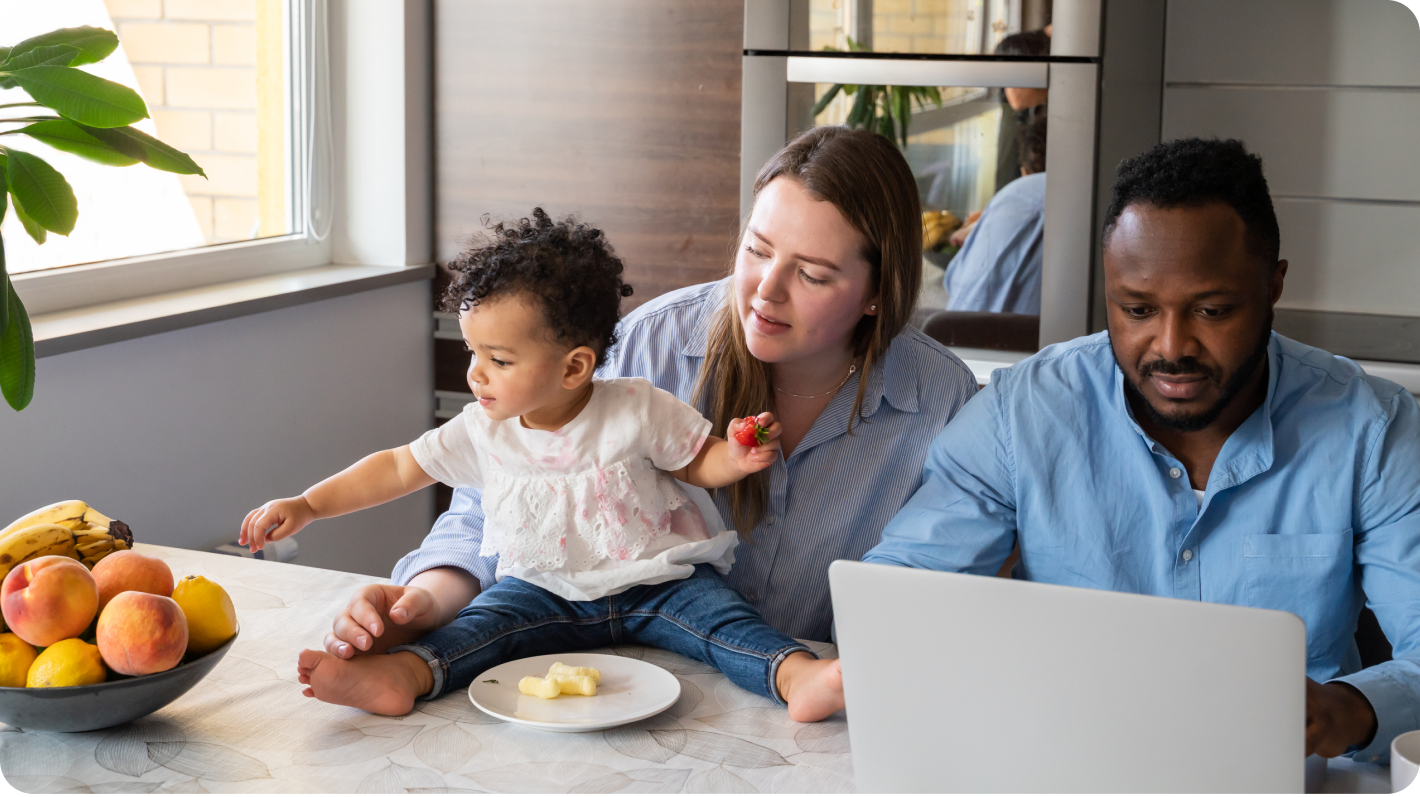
[{"x": 88, "y": 708}]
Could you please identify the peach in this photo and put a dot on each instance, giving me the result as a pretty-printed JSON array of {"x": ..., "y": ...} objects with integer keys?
[
  {"x": 122, "y": 571},
  {"x": 140, "y": 633},
  {"x": 48, "y": 599}
]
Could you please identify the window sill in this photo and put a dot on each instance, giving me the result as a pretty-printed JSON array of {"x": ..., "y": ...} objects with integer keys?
[{"x": 98, "y": 325}]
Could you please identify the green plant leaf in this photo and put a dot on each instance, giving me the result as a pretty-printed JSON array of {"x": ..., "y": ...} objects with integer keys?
[
  {"x": 4, "y": 276},
  {"x": 141, "y": 146},
  {"x": 82, "y": 97},
  {"x": 31, "y": 226},
  {"x": 17, "y": 355},
  {"x": 93, "y": 44},
  {"x": 43, "y": 192},
  {"x": 59, "y": 54},
  {"x": 862, "y": 108},
  {"x": 825, "y": 99},
  {"x": 5, "y": 54},
  {"x": 904, "y": 112},
  {"x": 66, "y": 136}
]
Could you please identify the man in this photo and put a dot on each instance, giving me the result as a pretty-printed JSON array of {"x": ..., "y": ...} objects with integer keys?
[
  {"x": 998, "y": 268},
  {"x": 1022, "y": 105},
  {"x": 1190, "y": 452}
]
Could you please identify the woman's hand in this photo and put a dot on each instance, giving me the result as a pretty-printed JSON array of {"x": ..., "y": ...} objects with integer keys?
[
  {"x": 749, "y": 455},
  {"x": 275, "y": 520},
  {"x": 381, "y": 616}
]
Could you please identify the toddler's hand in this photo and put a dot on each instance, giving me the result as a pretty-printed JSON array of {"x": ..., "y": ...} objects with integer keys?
[
  {"x": 379, "y": 617},
  {"x": 275, "y": 520},
  {"x": 751, "y": 452}
]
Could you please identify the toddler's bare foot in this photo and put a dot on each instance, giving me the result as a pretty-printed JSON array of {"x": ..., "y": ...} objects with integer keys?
[
  {"x": 813, "y": 688},
  {"x": 380, "y": 684}
]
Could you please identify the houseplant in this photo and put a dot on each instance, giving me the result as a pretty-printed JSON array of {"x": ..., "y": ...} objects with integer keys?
[
  {"x": 90, "y": 118},
  {"x": 886, "y": 110}
]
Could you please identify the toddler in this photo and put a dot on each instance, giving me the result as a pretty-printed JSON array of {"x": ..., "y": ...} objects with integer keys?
[{"x": 597, "y": 543}]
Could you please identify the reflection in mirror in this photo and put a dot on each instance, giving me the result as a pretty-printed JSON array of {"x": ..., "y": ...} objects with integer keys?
[
  {"x": 980, "y": 169},
  {"x": 979, "y": 158},
  {"x": 935, "y": 27}
]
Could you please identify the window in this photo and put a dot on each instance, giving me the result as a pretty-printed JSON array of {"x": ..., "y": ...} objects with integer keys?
[
  {"x": 229, "y": 82},
  {"x": 935, "y": 27}
]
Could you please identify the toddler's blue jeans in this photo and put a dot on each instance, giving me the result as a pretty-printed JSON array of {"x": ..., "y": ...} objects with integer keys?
[{"x": 698, "y": 617}]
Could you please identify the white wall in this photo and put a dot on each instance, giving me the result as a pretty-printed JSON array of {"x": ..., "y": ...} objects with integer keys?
[
  {"x": 180, "y": 434},
  {"x": 1328, "y": 93}
]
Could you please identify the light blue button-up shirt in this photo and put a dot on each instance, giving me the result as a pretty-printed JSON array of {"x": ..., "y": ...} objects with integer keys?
[
  {"x": 1312, "y": 506},
  {"x": 827, "y": 501},
  {"x": 998, "y": 267}
]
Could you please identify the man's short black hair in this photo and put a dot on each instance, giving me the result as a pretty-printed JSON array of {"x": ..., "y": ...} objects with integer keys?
[
  {"x": 567, "y": 267},
  {"x": 1030, "y": 140},
  {"x": 1191, "y": 172},
  {"x": 1031, "y": 42}
]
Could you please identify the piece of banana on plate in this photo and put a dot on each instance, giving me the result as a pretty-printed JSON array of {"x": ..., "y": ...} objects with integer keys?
[
  {"x": 575, "y": 684},
  {"x": 545, "y": 688},
  {"x": 561, "y": 669}
]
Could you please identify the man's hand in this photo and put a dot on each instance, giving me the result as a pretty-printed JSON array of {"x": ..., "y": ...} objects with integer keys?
[
  {"x": 1338, "y": 716},
  {"x": 381, "y": 616}
]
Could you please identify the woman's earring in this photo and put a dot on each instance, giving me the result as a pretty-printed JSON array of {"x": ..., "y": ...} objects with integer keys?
[{"x": 873, "y": 307}]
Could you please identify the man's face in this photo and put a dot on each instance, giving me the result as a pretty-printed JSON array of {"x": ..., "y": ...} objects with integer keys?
[{"x": 1189, "y": 308}]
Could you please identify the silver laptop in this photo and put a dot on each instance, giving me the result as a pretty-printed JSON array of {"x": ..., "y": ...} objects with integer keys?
[{"x": 959, "y": 683}]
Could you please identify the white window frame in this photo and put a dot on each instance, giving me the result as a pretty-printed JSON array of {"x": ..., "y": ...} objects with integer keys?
[{"x": 320, "y": 193}]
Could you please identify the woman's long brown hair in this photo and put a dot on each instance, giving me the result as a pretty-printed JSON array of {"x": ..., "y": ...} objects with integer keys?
[{"x": 867, "y": 179}]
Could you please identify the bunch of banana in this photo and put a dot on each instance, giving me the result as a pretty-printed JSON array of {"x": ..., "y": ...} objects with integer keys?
[
  {"x": 68, "y": 528},
  {"x": 937, "y": 227}
]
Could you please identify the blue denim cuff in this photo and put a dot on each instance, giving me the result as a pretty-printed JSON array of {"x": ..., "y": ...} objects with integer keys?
[
  {"x": 779, "y": 658},
  {"x": 1393, "y": 704},
  {"x": 434, "y": 664}
]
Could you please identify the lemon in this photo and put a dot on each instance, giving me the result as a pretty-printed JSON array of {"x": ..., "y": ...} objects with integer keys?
[
  {"x": 16, "y": 656},
  {"x": 70, "y": 662},
  {"x": 211, "y": 618}
]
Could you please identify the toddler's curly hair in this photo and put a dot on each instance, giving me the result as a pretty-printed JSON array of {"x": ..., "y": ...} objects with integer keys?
[{"x": 567, "y": 266}]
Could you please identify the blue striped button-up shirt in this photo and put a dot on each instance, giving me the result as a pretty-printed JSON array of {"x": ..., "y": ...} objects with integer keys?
[
  {"x": 1312, "y": 506},
  {"x": 998, "y": 267},
  {"x": 829, "y": 500}
]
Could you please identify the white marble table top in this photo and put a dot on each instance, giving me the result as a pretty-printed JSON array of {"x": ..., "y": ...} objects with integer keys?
[{"x": 247, "y": 728}]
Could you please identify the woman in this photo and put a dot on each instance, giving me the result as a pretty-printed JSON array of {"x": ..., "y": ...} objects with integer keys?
[{"x": 812, "y": 325}]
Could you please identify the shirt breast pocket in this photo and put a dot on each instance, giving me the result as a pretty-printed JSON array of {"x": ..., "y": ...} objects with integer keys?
[{"x": 1308, "y": 575}]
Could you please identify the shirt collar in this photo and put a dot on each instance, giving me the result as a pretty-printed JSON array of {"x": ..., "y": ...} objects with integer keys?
[{"x": 1248, "y": 450}]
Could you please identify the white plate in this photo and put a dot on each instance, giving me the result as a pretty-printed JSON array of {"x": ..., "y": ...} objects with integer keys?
[{"x": 630, "y": 690}]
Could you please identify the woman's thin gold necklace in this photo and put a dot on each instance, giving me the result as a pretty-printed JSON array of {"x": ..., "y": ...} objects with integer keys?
[{"x": 852, "y": 369}]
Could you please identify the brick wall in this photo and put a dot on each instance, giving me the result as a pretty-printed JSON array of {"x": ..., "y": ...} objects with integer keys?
[
  {"x": 916, "y": 26},
  {"x": 196, "y": 64}
]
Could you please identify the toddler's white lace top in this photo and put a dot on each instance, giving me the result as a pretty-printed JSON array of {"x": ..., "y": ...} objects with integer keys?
[{"x": 588, "y": 510}]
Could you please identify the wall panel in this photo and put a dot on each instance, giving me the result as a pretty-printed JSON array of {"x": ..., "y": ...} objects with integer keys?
[
  {"x": 625, "y": 111},
  {"x": 1292, "y": 42},
  {"x": 1350, "y": 257},
  {"x": 1342, "y": 143}
]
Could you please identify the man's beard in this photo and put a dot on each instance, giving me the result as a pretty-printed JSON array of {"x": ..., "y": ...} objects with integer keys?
[{"x": 1187, "y": 366}]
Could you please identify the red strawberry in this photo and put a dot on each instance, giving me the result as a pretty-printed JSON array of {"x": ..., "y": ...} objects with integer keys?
[{"x": 751, "y": 434}]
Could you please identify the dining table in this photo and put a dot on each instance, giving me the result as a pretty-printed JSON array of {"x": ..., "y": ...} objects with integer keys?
[{"x": 247, "y": 728}]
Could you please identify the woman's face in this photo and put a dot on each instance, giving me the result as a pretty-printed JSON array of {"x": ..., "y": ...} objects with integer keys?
[{"x": 801, "y": 281}]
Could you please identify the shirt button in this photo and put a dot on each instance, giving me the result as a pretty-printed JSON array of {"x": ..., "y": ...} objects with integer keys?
[
  {"x": 1174, "y": 473},
  {"x": 1188, "y": 556},
  {"x": 769, "y": 521}
]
